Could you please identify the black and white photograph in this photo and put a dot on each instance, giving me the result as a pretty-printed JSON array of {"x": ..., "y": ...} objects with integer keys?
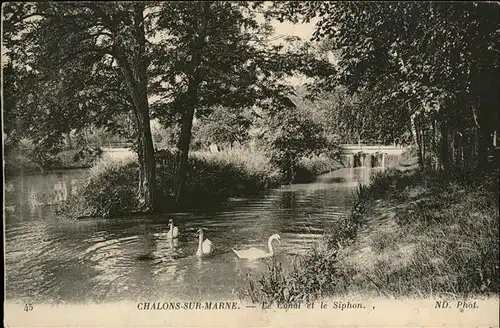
[{"x": 251, "y": 163}]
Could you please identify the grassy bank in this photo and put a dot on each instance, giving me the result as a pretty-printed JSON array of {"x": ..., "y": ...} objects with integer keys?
[
  {"x": 212, "y": 178},
  {"x": 409, "y": 234}
]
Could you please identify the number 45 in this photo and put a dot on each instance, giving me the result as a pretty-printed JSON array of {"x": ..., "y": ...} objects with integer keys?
[{"x": 28, "y": 307}]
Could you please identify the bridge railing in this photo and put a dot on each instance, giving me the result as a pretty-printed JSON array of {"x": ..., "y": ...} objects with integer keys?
[
  {"x": 353, "y": 149},
  {"x": 110, "y": 145}
]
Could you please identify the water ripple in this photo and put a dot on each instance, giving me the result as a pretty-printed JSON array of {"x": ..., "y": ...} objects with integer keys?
[{"x": 52, "y": 260}]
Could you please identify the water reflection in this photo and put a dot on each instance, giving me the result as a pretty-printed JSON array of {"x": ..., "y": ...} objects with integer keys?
[
  {"x": 27, "y": 196},
  {"x": 49, "y": 259}
]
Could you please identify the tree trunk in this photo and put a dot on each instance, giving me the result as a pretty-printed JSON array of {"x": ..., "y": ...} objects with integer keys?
[
  {"x": 68, "y": 140},
  {"x": 443, "y": 147},
  {"x": 145, "y": 152},
  {"x": 140, "y": 158},
  {"x": 452, "y": 151},
  {"x": 423, "y": 147},
  {"x": 484, "y": 141},
  {"x": 416, "y": 140},
  {"x": 460, "y": 150},
  {"x": 183, "y": 159},
  {"x": 190, "y": 104},
  {"x": 483, "y": 148},
  {"x": 135, "y": 75}
]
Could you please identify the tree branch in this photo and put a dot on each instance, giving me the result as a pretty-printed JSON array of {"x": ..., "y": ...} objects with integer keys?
[
  {"x": 107, "y": 20},
  {"x": 99, "y": 51}
]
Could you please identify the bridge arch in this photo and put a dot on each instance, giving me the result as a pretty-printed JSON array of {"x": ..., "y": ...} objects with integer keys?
[{"x": 371, "y": 156}]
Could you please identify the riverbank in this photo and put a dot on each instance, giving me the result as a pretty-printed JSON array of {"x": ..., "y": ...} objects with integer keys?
[
  {"x": 24, "y": 161},
  {"x": 409, "y": 234},
  {"x": 212, "y": 178},
  {"x": 308, "y": 168}
]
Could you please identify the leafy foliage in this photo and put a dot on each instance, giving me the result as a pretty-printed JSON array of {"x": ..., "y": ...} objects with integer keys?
[
  {"x": 95, "y": 63},
  {"x": 239, "y": 67},
  {"x": 110, "y": 191},
  {"x": 289, "y": 136},
  {"x": 212, "y": 179},
  {"x": 433, "y": 67},
  {"x": 91, "y": 62},
  {"x": 68, "y": 81},
  {"x": 225, "y": 126}
]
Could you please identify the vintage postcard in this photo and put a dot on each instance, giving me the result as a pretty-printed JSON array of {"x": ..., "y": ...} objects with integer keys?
[{"x": 251, "y": 164}]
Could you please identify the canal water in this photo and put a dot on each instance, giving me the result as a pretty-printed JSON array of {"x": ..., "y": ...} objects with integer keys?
[{"x": 53, "y": 260}]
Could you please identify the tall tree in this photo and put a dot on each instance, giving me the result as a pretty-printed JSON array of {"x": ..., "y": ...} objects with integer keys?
[
  {"x": 290, "y": 135},
  {"x": 64, "y": 41},
  {"x": 12, "y": 94},
  {"x": 219, "y": 54}
]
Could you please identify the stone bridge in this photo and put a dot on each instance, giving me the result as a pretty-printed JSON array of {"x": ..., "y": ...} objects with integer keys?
[{"x": 371, "y": 156}]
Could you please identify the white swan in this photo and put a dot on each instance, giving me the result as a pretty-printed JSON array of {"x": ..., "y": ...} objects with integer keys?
[
  {"x": 204, "y": 246},
  {"x": 173, "y": 232},
  {"x": 256, "y": 253}
]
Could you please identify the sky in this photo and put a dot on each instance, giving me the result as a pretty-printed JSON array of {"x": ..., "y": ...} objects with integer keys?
[{"x": 304, "y": 31}]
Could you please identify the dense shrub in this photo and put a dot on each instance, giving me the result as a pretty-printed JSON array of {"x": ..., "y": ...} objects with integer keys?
[
  {"x": 78, "y": 158},
  {"x": 18, "y": 163},
  {"x": 409, "y": 157},
  {"x": 110, "y": 190},
  {"x": 313, "y": 275},
  {"x": 290, "y": 135},
  {"x": 211, "y": 179},
  {"x": 215, "y": 177}
]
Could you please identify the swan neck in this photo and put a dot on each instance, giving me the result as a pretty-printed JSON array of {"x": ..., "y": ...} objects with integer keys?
[
  {"x": 200, "y": 240},
  {"x": 270, "y": 244}
]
